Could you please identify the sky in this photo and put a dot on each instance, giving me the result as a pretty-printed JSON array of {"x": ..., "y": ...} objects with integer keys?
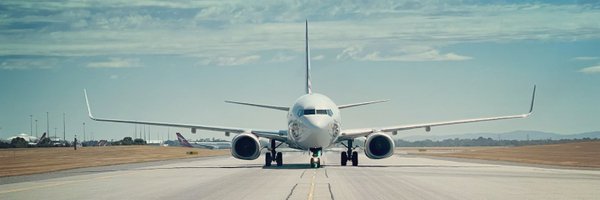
[{"x": 177, "y": 61}]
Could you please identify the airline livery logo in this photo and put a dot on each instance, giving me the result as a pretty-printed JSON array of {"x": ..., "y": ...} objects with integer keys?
[{"x": 183, "y": 141}]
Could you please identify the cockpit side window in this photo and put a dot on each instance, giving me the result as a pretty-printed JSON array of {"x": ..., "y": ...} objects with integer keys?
[
  {"x": 329, "y": 112},
  {"x": 321, "y": 112}
]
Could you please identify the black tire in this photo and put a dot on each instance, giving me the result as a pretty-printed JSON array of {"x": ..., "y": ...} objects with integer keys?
[
  {"x": 268, "y": 159},
  {"x": 279, "y": 159},
  {"x": 355, "y": 158},
  {"x": 344, "y": 159},
  {"x": 319, "y": 163}
]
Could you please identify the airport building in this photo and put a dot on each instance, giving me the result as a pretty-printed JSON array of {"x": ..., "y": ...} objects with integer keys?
[{"x": 155, "y": 142}]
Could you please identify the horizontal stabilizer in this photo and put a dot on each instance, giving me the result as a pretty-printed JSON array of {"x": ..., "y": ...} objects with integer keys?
[
  {"x": 260, "y": 105},
  {"x": 354, "y": 133},
  {"x": 361, "y": 104}
]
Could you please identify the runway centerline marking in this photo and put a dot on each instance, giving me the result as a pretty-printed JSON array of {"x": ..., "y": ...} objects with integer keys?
[{"x": 312, "y": 186}]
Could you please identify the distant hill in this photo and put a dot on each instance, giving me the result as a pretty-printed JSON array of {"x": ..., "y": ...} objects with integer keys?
[{"x": 515, "y": 135}]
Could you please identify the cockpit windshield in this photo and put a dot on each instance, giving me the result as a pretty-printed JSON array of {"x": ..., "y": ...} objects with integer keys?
[{"x": 315, "y": 112}]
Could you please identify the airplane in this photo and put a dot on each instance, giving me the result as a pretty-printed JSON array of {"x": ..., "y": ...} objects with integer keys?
[
  {"x": 206, "y": 145},
  {"x": 314, "y": 124},
  {"x": 39, "y": 142},
  {"x": 31, "y": 140}
]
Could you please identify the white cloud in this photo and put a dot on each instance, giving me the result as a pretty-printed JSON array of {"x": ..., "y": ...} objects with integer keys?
[
  {"x": 115, "y": 63},
  {"x": 279, "y": 58},
  {"x": 350, "y": 52},
  {"x": 318, "y": 57},
  {"x": 591, "y": 70},
  {"x": 212, "y": 30},
  {"x": 28, "y": 63},
  {"x": 231, "y": 61},
  {"x": 409, "y": 54},
  {"x": 586, "y": 58}
]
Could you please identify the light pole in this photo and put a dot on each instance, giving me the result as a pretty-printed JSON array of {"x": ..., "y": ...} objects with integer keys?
[
  {"x": 64, "y": 128},
  {"x": 48, "y": 123},
  {"x": 83, "y": 131},
  {"x": 36, "y": 129},
  {"x": 55, "y": 131},
  {"x": 31, "y": 125}
]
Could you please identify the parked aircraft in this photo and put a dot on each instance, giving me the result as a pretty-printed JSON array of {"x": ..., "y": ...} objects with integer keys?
[
  {"x": 31, "y": 140},
  {"x": 313, "y": 125},
  {"x": 206, "y": 145}
]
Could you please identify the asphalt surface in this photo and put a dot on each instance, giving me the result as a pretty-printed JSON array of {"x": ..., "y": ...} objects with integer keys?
[{"x": 398, "y": 177}]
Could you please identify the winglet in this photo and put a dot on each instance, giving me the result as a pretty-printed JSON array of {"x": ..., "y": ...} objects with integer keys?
[
  {"x": 532, "y": 100},
  {"x": 87, "y": 102}
]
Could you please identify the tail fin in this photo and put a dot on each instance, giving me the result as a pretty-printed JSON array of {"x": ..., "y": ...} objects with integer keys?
[
  {"x": 43, "y": 137},
  {"x": 308, "y": 83},
  {"x": 183, "y": 141}
]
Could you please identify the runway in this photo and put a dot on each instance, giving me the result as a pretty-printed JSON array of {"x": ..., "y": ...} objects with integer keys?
[{"x": 398, "y": 177}]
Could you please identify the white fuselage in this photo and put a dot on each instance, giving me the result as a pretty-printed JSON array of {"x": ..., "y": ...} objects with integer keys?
[{"x": 313, "y": 122}]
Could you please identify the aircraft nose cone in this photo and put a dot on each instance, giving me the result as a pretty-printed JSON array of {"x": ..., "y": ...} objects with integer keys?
[
  {"x": 318, "y": 122},
  {"x": 317, "y": 129}
]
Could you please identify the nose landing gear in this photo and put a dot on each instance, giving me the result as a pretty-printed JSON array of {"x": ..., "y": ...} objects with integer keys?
[{"x": 315, "y": 160}]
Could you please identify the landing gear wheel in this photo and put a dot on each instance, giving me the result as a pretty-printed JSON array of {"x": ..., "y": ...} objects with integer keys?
[
  {"x": 355, "y": 158},
  {"x": 268, "y": 159},
  {"x": 279, "y": 159},
  {"x": 344, "y": 159},
  {"x": 315, "y": 162}
]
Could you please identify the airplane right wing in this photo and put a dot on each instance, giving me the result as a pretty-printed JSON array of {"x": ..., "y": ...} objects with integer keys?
[
  {"x": 276, "y": 135},
  {"x": 354, "y": 133}
]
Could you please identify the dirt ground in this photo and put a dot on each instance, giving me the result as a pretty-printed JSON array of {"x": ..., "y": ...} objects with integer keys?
[
  {"x": 581, "y": 154},
  {"x": 37, "y": 160}
]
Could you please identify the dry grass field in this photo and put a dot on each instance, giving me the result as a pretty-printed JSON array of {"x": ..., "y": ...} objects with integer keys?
[
  {"x": 37, "y": 160},
  {"x": 581, "y": 154}
]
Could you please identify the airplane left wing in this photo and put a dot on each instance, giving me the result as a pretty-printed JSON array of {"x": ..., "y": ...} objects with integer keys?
[
  {"x": 354, "y": 133},
  {"x": 277, "y": 135}
]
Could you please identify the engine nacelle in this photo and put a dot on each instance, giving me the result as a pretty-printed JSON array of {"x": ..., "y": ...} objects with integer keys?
[
  {"x": 379, "y": 145},
  {"x": 245, "y": 146}
]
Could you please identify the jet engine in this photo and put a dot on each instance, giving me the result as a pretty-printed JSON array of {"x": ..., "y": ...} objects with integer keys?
[
  {"x": 245, "y": 146},
  {"x": 379, "y": 145}
]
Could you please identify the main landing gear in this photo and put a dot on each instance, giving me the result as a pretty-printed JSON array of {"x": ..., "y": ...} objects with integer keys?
[
  {"x": 349, "y": 155},
  {"x": 315, "y": 160},
  {"x": 273, "y": 155}
]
